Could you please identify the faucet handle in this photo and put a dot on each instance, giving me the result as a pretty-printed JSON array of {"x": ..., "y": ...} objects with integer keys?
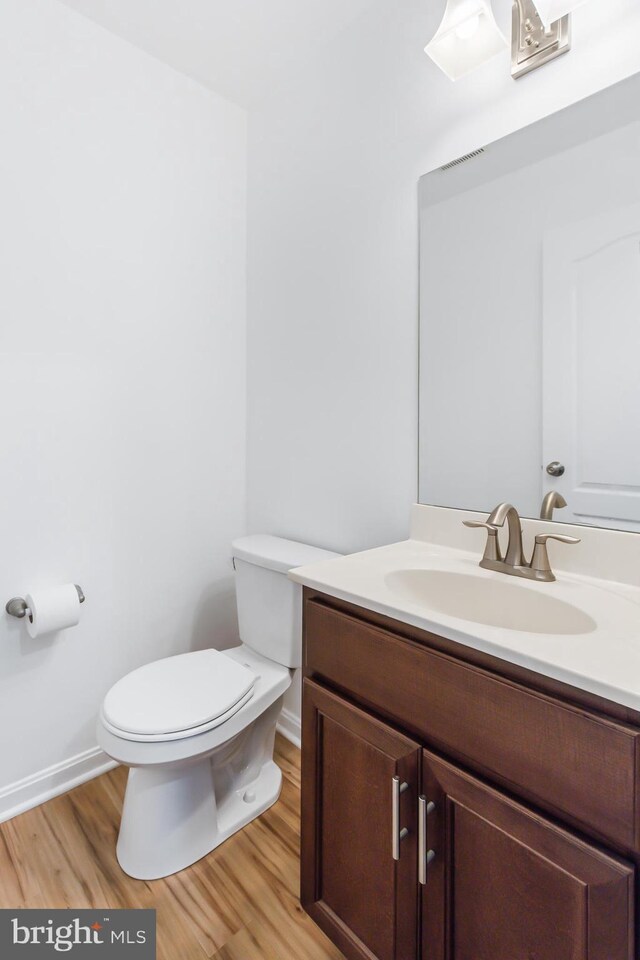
[
  {"x": 540, "y": 559},
  {"x": 492, "y": 550},
  {"x": 542, "y": 538}
]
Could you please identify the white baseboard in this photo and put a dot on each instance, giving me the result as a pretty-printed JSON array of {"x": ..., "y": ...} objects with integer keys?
[
  {"x": 290, "y": 728},
  {"x": 25, "y": 794},
  {"x": 39, "y": 787}
]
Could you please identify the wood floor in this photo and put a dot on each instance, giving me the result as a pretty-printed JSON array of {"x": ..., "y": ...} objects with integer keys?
[{"x": 239, "y": 903}]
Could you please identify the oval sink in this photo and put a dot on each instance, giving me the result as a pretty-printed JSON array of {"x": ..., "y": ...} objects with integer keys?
[{"x": 494, "y": 603}]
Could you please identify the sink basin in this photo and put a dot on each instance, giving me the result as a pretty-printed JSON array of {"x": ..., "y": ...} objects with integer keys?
[
  {"x": 488, "y": 601},
  {"x": 582, "y": 631}
]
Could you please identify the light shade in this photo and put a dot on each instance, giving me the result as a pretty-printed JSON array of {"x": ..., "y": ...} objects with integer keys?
[
  {"x": 467, "y": 37},
  {"x": 552, "y": 10}
]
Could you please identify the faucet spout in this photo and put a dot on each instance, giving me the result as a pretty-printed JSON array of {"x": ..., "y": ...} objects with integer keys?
[
  {"x": 552, "y": 501},
  {"x": 507, "y": 512}
]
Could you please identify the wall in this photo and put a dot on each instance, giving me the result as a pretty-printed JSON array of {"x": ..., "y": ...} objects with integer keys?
[
  {"x": 122, "y": 373},
  {"x": 333, "y": 264},
  {"x": 334, "y": 162}
]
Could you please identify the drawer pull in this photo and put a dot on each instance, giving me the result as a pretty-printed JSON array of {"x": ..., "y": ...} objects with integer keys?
[
  {"x": 425, "y": 856},
  {"x": 397, "y": 834}
]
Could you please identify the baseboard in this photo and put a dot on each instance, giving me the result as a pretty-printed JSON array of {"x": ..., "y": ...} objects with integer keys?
[
  {"x": 290, "y": 728},
  {"x": 39, "y": 787},
  {"x": 25, "y": 794}
]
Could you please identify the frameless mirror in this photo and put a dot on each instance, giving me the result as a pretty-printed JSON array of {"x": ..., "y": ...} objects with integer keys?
[{"x": 530, "y": 319}]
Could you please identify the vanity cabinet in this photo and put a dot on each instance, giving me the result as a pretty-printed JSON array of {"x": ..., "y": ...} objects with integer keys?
[
  {"x": 511, "y": 804},
  {"x": 354, "y": 888},
  {"x": 505, "y": 882}
]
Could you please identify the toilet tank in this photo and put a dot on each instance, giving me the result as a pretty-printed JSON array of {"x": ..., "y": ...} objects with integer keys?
[{"x": 269, "y": 604}]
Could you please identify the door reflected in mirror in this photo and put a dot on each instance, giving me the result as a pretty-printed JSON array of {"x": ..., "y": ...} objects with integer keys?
[{"x": 530, "y": 320}]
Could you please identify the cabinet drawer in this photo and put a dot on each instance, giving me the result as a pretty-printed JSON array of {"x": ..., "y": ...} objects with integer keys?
[{"x": 566, "y": 760}]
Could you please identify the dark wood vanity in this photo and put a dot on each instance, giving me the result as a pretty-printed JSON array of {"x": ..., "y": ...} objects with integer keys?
[{"x": 518, "y": 830}]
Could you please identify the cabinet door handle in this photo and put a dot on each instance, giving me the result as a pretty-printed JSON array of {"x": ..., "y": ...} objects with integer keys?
[
  {"x": 397, "y": 834},
  {"x": 425, "y": 856}
]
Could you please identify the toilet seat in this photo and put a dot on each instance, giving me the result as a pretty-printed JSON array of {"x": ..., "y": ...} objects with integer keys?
[{"x": 177, "y": 697}]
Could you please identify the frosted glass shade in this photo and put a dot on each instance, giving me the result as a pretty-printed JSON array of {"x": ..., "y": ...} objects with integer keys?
[
  {"x": 467, "y": 37},
  {"x": 552, "y": 10}
]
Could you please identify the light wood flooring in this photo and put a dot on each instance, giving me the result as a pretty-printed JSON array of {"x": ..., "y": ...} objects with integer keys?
[{"x": 238, "y": 903}]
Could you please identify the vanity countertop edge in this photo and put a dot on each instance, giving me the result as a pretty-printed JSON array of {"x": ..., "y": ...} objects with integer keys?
[{"x": 605, "y": 663}]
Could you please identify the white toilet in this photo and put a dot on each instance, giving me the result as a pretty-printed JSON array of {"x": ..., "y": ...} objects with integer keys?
[{"x": 198, "y": 729}]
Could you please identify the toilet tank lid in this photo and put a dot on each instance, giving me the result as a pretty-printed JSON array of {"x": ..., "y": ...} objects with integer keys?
[{"x": 274, "y": 553}]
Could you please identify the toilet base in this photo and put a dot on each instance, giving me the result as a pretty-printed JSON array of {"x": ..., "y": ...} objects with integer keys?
[{"x": 176, "y": 814}]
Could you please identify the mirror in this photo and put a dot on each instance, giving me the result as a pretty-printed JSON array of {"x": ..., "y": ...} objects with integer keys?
[{"x": 530, "y": 319}]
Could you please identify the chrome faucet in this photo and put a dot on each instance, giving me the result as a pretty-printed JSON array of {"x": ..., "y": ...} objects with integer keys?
[
  {"x": 552, "y": 501},
  {"x": 514, "y": 564}
]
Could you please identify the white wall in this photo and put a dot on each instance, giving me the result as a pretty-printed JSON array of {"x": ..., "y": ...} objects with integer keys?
[
  {"x": 122, "y": 371},
  {"x": 333, "y": 254}
]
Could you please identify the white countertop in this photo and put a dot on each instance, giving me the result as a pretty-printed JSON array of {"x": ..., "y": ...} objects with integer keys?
[{"x": 604, "y": 661}]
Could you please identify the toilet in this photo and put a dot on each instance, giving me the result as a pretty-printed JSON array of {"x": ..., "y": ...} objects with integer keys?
[{"x": 197, "y": 730}]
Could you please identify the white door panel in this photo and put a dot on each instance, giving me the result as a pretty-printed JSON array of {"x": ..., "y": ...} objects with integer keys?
[{"x": 591, "y": 367}]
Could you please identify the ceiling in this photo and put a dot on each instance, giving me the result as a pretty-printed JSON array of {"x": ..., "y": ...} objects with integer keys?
[{"x": 242, "y": 49}]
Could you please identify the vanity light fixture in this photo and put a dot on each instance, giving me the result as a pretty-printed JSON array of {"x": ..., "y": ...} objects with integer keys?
[
  {"x": 534, "y": 43},
  {"x": 469, "y": 36}
]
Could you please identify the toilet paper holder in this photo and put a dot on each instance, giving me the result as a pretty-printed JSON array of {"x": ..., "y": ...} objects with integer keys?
[{"x": 17, "y": 606}]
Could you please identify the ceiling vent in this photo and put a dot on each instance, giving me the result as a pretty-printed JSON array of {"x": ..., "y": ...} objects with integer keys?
[{"x": 467, "y": 156}]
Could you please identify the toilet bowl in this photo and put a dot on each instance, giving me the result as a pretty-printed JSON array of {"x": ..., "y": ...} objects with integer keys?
[{"x": 197, "y": 730}]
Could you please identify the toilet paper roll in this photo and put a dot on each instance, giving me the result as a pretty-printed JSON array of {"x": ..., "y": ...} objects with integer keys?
[{"x": 52, "y": 609}]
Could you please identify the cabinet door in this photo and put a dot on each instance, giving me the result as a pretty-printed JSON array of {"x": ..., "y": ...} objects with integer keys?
[
  {"x": 352, "y": 885},
  {"x": 503, "y": 883}
]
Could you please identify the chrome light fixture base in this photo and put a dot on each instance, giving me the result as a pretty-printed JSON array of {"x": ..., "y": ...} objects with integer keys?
[{"x": 533, "y": 44}]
